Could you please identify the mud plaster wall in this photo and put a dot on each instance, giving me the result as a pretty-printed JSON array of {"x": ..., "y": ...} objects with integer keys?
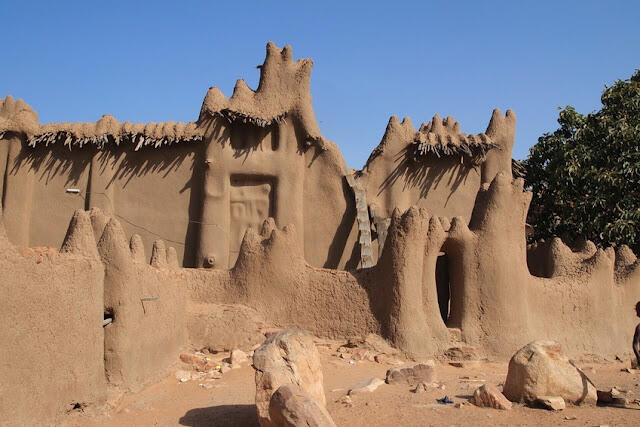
[
  {"x": 56, "y": 351},
  {"x": 51, "y": 332},
  {"x": 585, "y": 284},
  {"x": 150, "y": 191},
  {"x": 587, "y": 304},
  {"x": 254, "y": 173},
  {"x": 498, "y": 306},
  {"x": 258, "y": 154},
  {"x": 445, "y": 184},
  {"x": 146, "y": 302},
  {"x": 272, "y": 277},
  {"x": 158, "y": 194}
]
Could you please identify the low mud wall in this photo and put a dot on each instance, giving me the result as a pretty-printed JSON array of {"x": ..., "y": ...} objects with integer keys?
[
  {"x": 59, "y": 300},
  {"x": 146, "y": 305},
  {"x": 57, "y": 351},
  {"x": 51, "y": 331},
  {"x": 495, "y": 302},
  {"x": 272, "y": 277}
]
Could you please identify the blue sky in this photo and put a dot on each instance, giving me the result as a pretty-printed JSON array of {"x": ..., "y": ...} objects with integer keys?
[{"x": 74, "y": 61}]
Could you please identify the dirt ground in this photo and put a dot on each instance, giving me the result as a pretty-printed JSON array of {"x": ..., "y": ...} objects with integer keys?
[{"x": 229, "y": 401}]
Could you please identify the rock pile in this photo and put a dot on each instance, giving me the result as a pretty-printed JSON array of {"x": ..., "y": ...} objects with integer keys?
[
  {"x": 206, "y": 366},
  {"x": 372, "y": 348}
]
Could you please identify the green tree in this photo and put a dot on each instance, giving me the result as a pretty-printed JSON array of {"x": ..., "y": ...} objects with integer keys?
[{"x": 585, "y": 176}]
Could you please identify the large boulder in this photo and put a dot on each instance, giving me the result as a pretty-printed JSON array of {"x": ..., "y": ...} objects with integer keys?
[
  {"x": 541, "y": 369},
  {"x": 287, "y": 357},
  {"x": 488, "y": 396},
  {"x": 291, "y": 406}
]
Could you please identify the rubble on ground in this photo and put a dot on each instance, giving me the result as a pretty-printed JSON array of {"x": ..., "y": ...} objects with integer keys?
[
  {"x": 371, "y": 348},
  {"x": 412, "y": 375}
]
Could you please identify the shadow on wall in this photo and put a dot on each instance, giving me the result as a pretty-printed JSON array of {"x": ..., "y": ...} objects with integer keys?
[
  {"x": 340, "y": 239},
  {"x": 428, "y": 175},
  {"x": 244, "y": 138},
  {"x": 223, "y": 415},
  {"x": 127, "y": 164},
  {"x": 56, "y": 163},
  {"x": 48, "y": 163}
]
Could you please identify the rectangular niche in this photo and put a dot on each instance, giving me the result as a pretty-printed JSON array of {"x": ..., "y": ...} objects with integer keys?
[{"x": 252, "y": 200}]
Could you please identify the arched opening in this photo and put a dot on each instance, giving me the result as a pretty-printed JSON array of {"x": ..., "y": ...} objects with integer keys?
[{"x": 443, "y": 286}]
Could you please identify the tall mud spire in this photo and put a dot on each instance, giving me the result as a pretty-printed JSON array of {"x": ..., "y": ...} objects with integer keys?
[{"x": 283, "y": 93}]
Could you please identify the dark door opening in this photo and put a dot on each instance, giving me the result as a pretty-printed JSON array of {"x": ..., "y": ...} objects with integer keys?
[{"x": 442, "y": 286}]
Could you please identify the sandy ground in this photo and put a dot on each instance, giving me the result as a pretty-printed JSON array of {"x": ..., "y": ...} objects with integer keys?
[{"x": 229, "y": 401}]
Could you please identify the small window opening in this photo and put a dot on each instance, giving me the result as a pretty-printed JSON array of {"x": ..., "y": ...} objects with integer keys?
[{"x": 108, "y": 317}]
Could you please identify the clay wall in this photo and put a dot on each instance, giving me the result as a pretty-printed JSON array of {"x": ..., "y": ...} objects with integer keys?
[
  {"x": 446, "y": 185},
  {"x": 159, "y": 308},
  {"x": 330, "y": 233},
  {"x": 590, "y": 291},
  {"x": 58, "y": 350},
  {"x": 146, "y": 303},
  {"x": 254, "y": 155},
  {"x": 498, "y": 306},
  {"x": 586, "y": 302},
  {"x": 444, "y": 176},
  {"x": 52, "y": 337},
  {"x": 265, "y": 157},
  {"x": 155, "y": 194},
  {"x": 253, "y": 174},
  {"x": 272, "y": 277}
]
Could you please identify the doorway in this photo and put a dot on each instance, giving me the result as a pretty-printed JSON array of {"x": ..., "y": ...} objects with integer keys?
[
  {"x": 252, "y": 200},
  {"x": 443, "y": 286}
]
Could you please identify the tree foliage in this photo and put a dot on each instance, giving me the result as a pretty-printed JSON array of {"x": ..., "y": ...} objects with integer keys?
[{"x": 585, "y": 176}]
